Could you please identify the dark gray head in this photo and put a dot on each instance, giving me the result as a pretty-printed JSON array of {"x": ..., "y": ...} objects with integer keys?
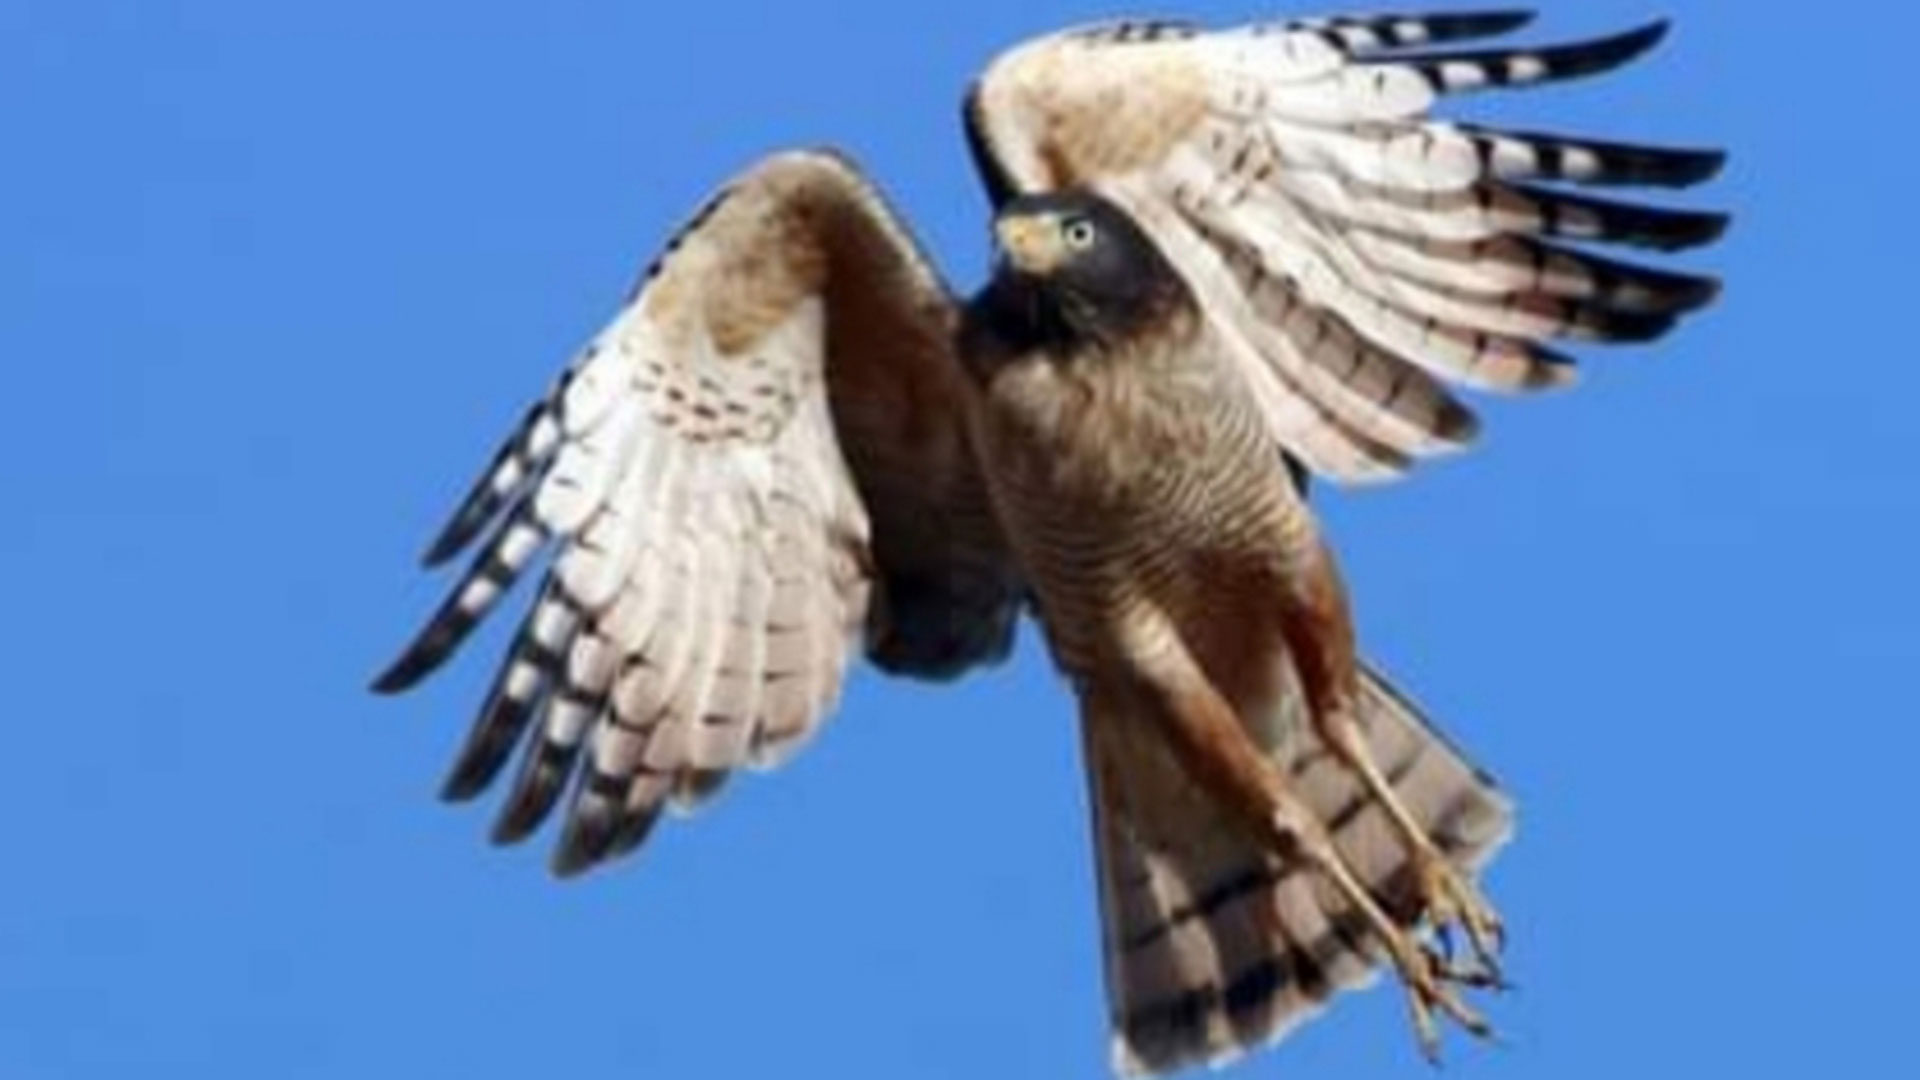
[{"x": 1074, "y": 268}]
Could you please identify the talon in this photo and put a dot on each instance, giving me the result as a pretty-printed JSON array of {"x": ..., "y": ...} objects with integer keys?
[
  {"x": 1430, "y": 982},
  {"x": 1426, "y": 1031},
  {"x": 1451, "y": 901},
  {"x": 1476, "y": 979}
]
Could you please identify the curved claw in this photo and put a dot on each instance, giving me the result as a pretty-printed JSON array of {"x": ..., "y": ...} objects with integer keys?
[
  {"x": 1432, "y": 984},
  {"x": 1452, "y": 901}
]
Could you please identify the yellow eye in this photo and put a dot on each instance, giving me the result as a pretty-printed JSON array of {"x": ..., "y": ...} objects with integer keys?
[{"x": 1080, "y": 234}]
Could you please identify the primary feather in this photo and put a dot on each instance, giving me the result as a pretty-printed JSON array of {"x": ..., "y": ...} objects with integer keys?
[
  {"x": 770, "y": 460},
  {"x": 1300, "y": 161},
  {"x": 702, "y": 478}
]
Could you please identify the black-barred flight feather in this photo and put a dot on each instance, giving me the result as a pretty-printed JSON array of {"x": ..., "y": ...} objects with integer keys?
[{"x": 1228, "y": 259}]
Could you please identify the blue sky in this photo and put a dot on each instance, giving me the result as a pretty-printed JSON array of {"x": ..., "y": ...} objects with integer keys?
[{"x": 276, "y": 275}]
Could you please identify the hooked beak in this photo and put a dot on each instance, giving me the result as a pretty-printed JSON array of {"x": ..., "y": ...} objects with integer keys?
[{"x": 1031, "y": 245}]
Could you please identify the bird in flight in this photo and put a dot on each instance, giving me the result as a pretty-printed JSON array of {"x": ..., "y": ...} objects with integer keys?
[{"x": 1226, "y": 260}]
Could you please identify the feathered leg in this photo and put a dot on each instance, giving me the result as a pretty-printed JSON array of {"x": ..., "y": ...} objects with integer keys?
[
  {"x": 1207, "y": 737},
  {"x": 1319, "y": 633}
]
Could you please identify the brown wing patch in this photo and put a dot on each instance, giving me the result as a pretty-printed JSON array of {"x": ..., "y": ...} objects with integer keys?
[
  {"x": 715, "y": 478},
  {"x": 1090, "y": 107},
  {"x": 764, "y": 243},
  {"x": 1411, "y": 253}
]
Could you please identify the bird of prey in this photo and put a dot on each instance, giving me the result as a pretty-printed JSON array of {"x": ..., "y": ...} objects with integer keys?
[{"x": 1227, "y": 259}]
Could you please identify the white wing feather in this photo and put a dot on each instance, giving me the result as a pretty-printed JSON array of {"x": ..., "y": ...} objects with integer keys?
[
  {"x": 709, "y": 546},
  {"x": 1362, "y": 253}
]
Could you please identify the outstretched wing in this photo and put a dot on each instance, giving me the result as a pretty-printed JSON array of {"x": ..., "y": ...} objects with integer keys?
[
  {"x": 765, "y": 432},
  {"x": 1360, "y": 254}
]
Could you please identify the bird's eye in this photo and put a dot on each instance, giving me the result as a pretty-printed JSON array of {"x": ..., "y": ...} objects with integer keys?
[{"x": 1080, "y": 234}]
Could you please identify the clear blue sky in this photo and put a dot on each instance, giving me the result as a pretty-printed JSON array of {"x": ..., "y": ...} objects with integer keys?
[{"x": 276, "y": 275}]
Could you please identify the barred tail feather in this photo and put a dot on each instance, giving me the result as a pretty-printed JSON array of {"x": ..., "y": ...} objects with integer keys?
[
  {"x": 1463, "y": 808},
  {"x": 1213, "y": 945}
]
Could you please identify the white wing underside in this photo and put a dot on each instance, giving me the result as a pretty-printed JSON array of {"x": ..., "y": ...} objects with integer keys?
[
  {"x": 711, "y": 560},
  {"x": 1361, "y": 254}
]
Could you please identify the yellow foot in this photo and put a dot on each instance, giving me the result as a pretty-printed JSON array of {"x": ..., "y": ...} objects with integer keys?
[
  {"x": 1432, "y": 983},
  {"x": 1432, "y": 992},
  {"x": 1452, "y": 901}
]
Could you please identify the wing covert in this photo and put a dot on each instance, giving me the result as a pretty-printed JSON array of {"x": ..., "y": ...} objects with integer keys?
[{"x": 1361, "y": 257}]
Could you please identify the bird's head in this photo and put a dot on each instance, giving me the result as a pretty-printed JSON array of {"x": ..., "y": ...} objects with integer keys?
[{"x": 1074, "y": 264}]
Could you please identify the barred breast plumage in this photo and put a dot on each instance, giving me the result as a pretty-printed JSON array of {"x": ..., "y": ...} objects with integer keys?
[
  {"x": 1184, "y": 587},
  {"x": 1214, "y": 244},
  {"x": 1153, "y": 439}
]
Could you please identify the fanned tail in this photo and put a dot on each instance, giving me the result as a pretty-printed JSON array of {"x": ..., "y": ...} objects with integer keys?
[{"x": 1215, "y": 946}]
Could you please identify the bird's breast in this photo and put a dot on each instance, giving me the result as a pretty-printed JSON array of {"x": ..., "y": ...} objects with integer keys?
[{"x": 1123, "y": 478}]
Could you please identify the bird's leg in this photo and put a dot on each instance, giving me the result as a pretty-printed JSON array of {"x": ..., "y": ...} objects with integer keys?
[
  {"x": 1217, "y": 751},
  {"x": 1319, "y": 634},
  {"x": 1450, "y": 898}
]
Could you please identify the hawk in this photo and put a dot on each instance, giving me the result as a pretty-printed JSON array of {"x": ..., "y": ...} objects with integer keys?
[{"x": 1226, "y": 259}]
